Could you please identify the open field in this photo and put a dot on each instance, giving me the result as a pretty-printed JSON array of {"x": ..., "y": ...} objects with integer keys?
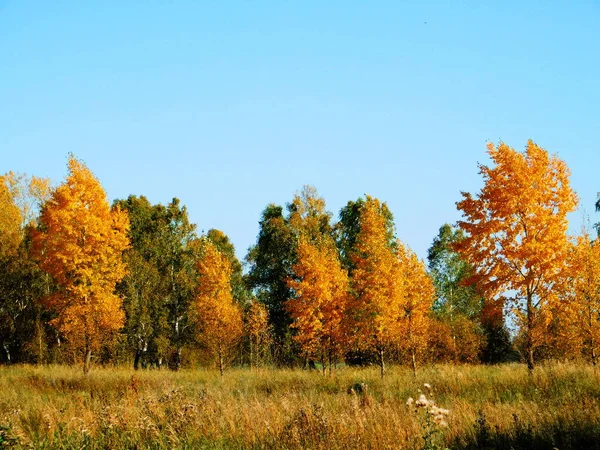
[{"x": 491, "y": 407}]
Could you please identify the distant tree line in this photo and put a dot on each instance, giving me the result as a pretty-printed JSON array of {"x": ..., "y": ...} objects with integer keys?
[{"x": 135, "y": 283}]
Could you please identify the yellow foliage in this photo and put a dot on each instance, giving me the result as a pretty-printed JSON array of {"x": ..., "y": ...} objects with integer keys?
[
  {"x": 80, "y": 244},
  {"x": 417, "y": 294},
  {"x": 586, "y": 283},
  {"x": 516, "y": 232},
  {"x": 217, "y": 316},
  {"x": 257, "y": 330},
  {"x": 319, "y": 304}
]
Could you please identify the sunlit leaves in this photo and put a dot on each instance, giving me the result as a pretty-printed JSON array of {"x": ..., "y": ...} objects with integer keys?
[
  {"x": 318, "y": 306},
  {"x": 218, "y": 318},
  {"x": 80, "y": 244},
  {"x": 516, "y": 231}
]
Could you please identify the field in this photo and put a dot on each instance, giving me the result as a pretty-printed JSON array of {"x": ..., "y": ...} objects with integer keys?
[{"x": 490, "y": 407}]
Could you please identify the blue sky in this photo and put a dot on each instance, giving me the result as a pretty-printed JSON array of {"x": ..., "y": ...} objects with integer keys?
[{"x": 232, "y": 105}]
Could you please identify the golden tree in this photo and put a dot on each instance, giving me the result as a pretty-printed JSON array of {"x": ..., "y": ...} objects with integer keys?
[
  {"x": 376, "y": 304},
  {"x": 80, "y": 243},
  {"x": 417, "y": 296},
  {"x": 10, "y": 220},
  {"x": 257, "y": 330},
  {"x": 586, "y": 284},
  {"x": 318, "y": 306},
  {"x": 217, "y": 316},
  {"x": 516, "y": 233}
]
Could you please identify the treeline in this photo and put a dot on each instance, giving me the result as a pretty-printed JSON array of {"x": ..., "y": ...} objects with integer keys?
[{"x": 135, "y": 283}]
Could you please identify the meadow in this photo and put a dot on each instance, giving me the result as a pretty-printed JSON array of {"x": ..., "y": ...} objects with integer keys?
[{"x": 500, "y": 407}]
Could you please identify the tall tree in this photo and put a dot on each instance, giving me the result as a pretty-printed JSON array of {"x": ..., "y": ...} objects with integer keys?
[
  {"x": 270, "y": 262},
  {"x": 417, "y": 296},
  {"x": 80, "y": 243},
  {"x": 375, "y": 308},
  {"x": 318, "y": 306},
  {"x": 516, "y": 232},
  {"x": 161, "y": 282},
  {"x": 217, "y": 316}
]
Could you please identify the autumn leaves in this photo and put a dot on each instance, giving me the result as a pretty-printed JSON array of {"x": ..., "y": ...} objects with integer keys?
[
  {"x": 80, "y": 243},
  {"x": 313, "y": 291}
]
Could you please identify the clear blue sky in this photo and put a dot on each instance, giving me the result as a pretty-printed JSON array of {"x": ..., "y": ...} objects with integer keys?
[{"x": 232, "y": 105}]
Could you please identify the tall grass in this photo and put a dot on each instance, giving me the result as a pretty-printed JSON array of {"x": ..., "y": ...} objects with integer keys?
[{"x": 491, "y": 407}]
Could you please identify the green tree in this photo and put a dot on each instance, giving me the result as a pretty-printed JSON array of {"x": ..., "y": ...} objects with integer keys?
[
  {"x": 458, "y": 304},
  {"x": 162, "y": 280},
  {"x": 270, "y": 262}
]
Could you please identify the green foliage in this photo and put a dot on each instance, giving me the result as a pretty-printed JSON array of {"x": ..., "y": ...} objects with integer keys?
[
  {"x": 459, "y": 302},
  {"x": 271, "y": 261},
  {"x": 449, "y": 271},
  {"x": 161, "y": 280}
]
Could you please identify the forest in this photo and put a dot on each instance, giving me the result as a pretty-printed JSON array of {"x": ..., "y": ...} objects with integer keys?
[{"x": 133, "y": 283}]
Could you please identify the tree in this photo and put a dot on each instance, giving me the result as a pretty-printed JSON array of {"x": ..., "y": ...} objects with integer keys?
[
  {"x": 516, "y": 233},
  {"x": 80, "y": 243},
  {"x": 256, "y": 326},
  {"x": 461, "y": 307},
  {"x": 320, "y": 291},
  {"x": 347, "y": 229},
  {"x": 417, "y": 294},
  {"x": 270, "y": 262},
  {"x": 218, "y": 318},
  {"x": 21, "y": 281},
  {"x": 586, "y": 283},
  {"x": 10, "y": 219},
  {"x": 375, "y": 306},
  {"x": 238, "y": 286},
  {"x": 162, "y": 280}
]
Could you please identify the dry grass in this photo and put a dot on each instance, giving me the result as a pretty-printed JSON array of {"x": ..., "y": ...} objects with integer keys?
[{"x": 491, "y": 407}]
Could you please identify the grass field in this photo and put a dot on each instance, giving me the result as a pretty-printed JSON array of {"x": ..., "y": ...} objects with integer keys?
[{"x": 490, "y": 407}]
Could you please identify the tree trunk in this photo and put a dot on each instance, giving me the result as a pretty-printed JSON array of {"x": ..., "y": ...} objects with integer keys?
[
  {"x": 381, "y": 363},
  {"x": 178, "y": 358},
  {"x": 529, "y": 337},
  {"x": 594, "y": 356},
  {"x": 136, "y": 361},
  {"x": 414, "y": 361},
  {"x": 220, "y": 362},
  {"x": 7, "y": 350}
]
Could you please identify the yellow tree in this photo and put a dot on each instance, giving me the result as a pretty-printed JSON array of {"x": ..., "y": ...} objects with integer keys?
[
  {"x": 10, "y": 219},
  {"x": 376, "y": 304},
  {"x": 80, "y": 243},
  {"x": 586, "y": 284},
  {"x": 257, "y": 330},
  {"x": 516, "y": 233},
  {"x": 320, "y": 291},
  {"x": 218, "y": 318},
  {"x": 417, "y": 296}
]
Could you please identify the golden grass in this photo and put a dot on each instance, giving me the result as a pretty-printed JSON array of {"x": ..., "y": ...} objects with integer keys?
[{"x": 491, "y": 407}]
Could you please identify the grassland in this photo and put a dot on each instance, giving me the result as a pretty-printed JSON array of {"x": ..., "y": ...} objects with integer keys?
[{"x": 491, "y": 407}]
